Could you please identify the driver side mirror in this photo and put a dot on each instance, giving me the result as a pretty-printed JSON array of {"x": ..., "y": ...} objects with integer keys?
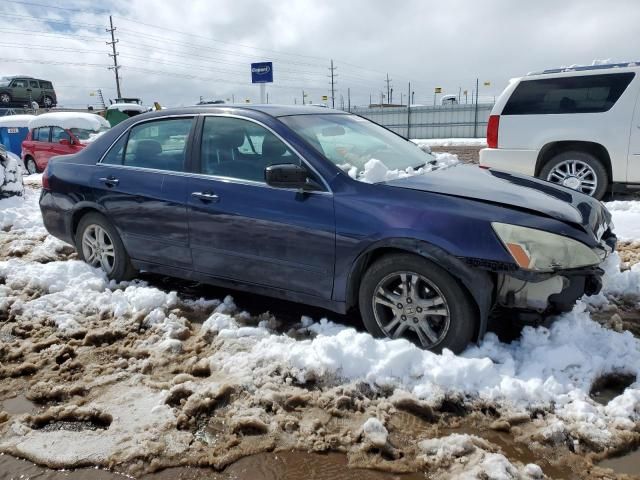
[{"x": 289, "y": 175}]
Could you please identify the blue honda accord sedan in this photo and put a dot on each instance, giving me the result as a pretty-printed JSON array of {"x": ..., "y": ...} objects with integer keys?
[{"x": 283, "y": 201}]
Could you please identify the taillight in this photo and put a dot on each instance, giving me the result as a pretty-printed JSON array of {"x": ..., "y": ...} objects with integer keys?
[
  {"x": 492, "y": 131},
  {"x": 45, "y": 179}
]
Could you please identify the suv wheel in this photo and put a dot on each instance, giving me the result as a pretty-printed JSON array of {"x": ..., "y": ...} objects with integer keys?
[
  {"x": 99, "y": 244},
  {"x": 407, "y": 296},
  {"x": 47, "y": 101},
  {"x": 579, "y": 171},
  {"x": 5, "y": 98},
  {"x": 30, "y": 165}
]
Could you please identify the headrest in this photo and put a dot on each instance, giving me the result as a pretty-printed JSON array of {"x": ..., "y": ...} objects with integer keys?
[
  {"x": 272, "y": 146},
  {"x": 148, "y": 148}
]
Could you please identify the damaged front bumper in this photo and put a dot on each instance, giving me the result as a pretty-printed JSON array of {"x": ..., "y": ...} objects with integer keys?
[{"x": 531, "y": 297}]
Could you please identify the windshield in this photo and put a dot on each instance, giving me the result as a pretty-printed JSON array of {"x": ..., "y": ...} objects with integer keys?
[
  {"x": 4, "y": 82},
  {"x": 351, "y": 142}
]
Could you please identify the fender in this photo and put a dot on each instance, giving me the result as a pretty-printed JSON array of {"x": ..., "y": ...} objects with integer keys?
[
  {"x": 478, "y": 282},
  {"x": 79, "y": 209}
]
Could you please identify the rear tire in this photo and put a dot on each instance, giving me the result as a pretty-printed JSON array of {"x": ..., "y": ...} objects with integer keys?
[
  {"x": 31, "y": 165},
  {"x": 579, "y": 171},
  {"x": 453, "y": 321},
  {"x": 47, "y": 102},
  {"x": 98, "y": 243}
]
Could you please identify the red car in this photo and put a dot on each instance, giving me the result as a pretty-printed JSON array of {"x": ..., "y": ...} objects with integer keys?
[{"x": 45, "y": 142}]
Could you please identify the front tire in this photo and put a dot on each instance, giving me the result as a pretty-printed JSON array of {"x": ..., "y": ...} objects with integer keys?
[
  {"x": 5, "y": 99},
  {"x": 579, "y": 171},
  {"x": 408, "y": 296},
  {"x": 99, "y": 244}
]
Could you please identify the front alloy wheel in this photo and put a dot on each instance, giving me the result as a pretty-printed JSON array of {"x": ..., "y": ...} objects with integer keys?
[
  {"x": 5, "y": 98},
  {"x": 403, "y": 295},
  {"x": 98, "y": 249},
  {"x": 408, "y": 304}
]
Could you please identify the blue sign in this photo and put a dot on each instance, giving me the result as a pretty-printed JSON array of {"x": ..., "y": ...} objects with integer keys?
[{"x": 262, "y": 72}]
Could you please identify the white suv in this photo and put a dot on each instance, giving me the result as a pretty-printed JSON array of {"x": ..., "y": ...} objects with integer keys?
[{"x": 577, "y": 126}]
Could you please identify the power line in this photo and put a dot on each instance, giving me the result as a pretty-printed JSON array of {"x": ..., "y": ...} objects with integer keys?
[{"x": 49, "y": 6}]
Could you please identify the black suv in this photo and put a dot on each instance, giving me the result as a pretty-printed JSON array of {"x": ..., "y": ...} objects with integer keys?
[{"x": 21, "y": 90}]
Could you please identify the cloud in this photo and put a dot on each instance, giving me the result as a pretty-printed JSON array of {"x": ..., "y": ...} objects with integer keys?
[{"x": 446, "y": 44}]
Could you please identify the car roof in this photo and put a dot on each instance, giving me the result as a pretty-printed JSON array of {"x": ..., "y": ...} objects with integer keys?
[
  {"x": 588, "y": 68},
  {"x": 274, "y": 110}
]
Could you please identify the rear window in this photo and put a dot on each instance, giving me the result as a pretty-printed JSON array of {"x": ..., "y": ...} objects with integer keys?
[
  {"x": 582, "y": 94},
  {"x": 45, "y": 84}
]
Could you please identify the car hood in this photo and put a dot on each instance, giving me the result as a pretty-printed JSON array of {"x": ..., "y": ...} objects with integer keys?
[{"x": 519, "y": 191}]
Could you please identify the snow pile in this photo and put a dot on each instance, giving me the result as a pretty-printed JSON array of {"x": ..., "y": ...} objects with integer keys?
[
  {"x": 626, "y": 218},
  {"x": 10, "y": 174},
  {"x": 375, "y": 433},
  {"x": 16, "y": 121},
  {"x": 22, "y": 214},
  {"x": 450, "y": 142},
  {"x": 471, "y": 457},
  {"x": 376, "y": 171},
  {"x": 67, "y": 120}
]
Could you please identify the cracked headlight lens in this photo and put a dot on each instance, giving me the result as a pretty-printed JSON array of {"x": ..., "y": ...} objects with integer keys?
[{"x": 542, "y": 251}]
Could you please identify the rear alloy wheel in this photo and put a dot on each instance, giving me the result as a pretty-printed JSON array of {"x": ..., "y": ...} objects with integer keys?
[
  {"x": 578, "y": 171},
  {"x": 407, "y": 296},
  {"x": 5, "y": 98},
  {"x": 30, "y": 165},
  {"x": 99, "y": 244},
  {"x": 47, "y": 102}
]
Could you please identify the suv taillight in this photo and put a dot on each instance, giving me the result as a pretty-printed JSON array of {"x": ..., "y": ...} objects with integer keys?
[
  {"x": 45, "y": 179},
  {"x": 492, "y": 131}
]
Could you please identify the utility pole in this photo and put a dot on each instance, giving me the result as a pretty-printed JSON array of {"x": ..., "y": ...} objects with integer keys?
[
  {"x": 409, "y": 111},
  {"x": 391, "y": 96},
  {"x": 115, "y": 67},
  {"x": 303, "y": 95},
  {"x": 332, "y": 69},
  {"x": 388, "y": 82},
  {"x": 475, "y": 123}
]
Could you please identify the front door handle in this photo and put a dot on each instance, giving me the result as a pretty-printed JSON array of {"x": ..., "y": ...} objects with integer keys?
[
  {"x": 206, "y": 197},
  {"x": 110, "y": 181}
]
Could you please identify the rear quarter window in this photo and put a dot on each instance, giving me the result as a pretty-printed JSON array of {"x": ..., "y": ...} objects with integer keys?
[
  {"x": 47, "y": 85},
  {"x": 580, "y": 94}
]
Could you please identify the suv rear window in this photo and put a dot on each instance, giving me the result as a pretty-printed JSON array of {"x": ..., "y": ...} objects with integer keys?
[{"x": 581, "y": 94}]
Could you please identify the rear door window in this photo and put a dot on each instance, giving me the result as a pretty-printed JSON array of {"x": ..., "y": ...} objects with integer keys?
[
  {"x": 580, "y": 94},
  {"x": 159, "y": 145},
  {"x": 33, "y": 84},
  {"x": 40, "y": 134},
  {"x": 46, "y": 85}
]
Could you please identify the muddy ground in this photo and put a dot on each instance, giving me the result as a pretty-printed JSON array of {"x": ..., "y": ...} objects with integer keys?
[{"x": 105, "y": 397}]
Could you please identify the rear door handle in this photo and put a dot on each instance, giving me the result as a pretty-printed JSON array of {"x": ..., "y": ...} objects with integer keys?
[
  {"x": 109, "y": 181},
  {"x": 206, "y": 197}
]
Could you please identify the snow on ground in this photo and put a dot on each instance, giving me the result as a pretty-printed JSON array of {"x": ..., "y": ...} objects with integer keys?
[
  {"x": 552, "y": 369},
  {"x": 451, "y": 142},
  {"x": 626, "y": 218}
]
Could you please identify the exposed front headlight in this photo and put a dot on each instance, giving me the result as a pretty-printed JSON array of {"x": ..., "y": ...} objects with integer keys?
[{"x": 541, "y": 251}]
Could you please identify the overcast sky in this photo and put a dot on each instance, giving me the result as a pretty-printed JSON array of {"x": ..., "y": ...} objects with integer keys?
[{"x": 175, "y": 51}]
